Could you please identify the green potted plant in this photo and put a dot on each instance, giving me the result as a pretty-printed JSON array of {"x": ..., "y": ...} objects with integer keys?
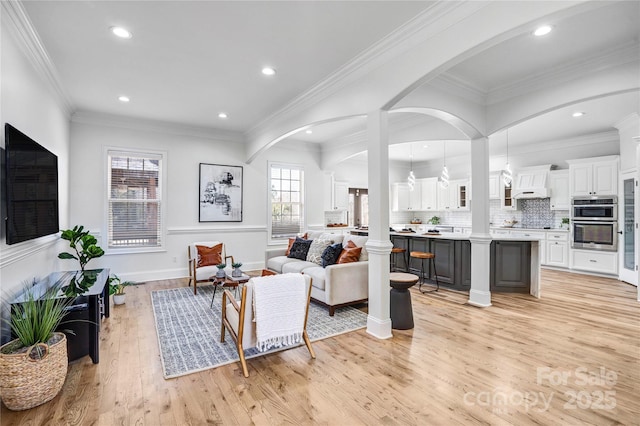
[
  {"x": 33, "y": 366},
  {"x": 237, "y": 272},
  {"x": 83, "y": 243},
  {"x": 86, "y": 248},
  {"x": 435, "y": 220},
  {"x": 116, "y": 288},
  {"x": 565, "y": 223},
  {"x": 221, "y": 273}
]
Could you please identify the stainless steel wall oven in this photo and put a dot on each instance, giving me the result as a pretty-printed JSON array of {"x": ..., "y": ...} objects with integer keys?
[{"x": 594, "y": 223}]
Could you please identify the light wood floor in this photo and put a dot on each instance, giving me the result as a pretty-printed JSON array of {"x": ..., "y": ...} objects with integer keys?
[{"x": 459, "y": 365}]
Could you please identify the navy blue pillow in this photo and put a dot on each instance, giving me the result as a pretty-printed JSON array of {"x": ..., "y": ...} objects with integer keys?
[
  {"x": 331, "y": 254},
  {"x": 300, "y": 248}
]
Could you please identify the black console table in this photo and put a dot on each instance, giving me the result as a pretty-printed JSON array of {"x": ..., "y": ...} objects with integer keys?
[{"x": 91, "y": 302}]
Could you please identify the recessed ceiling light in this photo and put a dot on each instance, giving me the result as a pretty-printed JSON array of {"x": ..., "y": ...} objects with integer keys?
[
  {"x": 268, "y": 71},
  {"x": 425, "y": 146},
  {"x": 578, "y": 114},
  {"x": 121, "y": 32},
  {"x": 222, "y": 115},
  {"x": 123, "y": 98},
  {"x": 542, "y": 30},
  {"x": 309, "y": 132}
]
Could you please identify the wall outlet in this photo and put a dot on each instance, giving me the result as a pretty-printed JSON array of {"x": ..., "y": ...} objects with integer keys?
[{"x": 175, "y": 259}]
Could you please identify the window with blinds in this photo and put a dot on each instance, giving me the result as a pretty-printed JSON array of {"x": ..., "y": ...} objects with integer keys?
[
  {"x": 287, "y": 200},
  {"x": 134, "y": 201}
]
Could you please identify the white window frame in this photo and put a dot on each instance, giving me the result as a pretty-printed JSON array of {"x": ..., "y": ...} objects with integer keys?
[
  {"x": 162, "y": 190},
  {"x": 270, "y": 165}
]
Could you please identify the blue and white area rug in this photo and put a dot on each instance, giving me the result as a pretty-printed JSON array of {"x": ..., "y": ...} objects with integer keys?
[{"x": 189, "y": 329}]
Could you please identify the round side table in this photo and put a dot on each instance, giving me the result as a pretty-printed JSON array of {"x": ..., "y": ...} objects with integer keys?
[{"x": 400, "y": 300}]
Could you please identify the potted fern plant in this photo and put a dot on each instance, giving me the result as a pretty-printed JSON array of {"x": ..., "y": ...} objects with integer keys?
[
  {"x": 33, "y": 366},
  {"x": 116, "y": 288}
]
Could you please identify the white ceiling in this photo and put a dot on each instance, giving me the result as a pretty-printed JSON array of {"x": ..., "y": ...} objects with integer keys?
[{"x": 188, "y": 61}]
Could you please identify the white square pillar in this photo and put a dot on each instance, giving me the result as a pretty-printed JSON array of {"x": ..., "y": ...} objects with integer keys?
[
  {"x": 378, "y": 244},
  {"x": 480, "y": 294}
]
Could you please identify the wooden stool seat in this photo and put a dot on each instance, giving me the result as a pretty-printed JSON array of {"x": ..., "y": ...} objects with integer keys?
[
  {"x": 422, "y": 255},
  {"x": 395, "y": 251}
]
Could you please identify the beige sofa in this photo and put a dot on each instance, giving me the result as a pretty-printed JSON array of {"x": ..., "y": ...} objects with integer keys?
[{"x": 334, "y": 286}]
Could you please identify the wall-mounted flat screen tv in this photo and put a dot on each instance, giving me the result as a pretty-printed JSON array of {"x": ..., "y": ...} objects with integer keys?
[{"x": 31, "y": 188}]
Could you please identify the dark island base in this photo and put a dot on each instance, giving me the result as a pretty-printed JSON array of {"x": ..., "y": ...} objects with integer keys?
[{"x": 510, "y": 269}]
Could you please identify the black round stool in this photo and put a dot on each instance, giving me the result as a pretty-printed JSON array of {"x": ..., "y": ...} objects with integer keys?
[
  {"x": 394, "y": 257},
  {"x": 426, "y": 256},
  {"x": 400, "y": 300}
]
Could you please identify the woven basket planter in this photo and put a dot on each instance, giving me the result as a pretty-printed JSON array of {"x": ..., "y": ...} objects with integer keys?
[{"x": 26, "y": 383}]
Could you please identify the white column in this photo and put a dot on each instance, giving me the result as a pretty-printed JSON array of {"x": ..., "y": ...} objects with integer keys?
[
  {"x": 378, "y": 244},
  {"x": 480, "y": 238}
]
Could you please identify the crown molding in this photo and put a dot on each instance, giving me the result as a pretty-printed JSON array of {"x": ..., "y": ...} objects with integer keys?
[
  {"x": 624, "y": 54},
  {"x": 21, "y": 27},
  {"x": 424, "y": 26},
  {"x": 143, "y": 124}
]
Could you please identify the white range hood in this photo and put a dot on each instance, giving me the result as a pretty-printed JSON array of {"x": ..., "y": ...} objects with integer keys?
[{"x": 532, "y": 182}]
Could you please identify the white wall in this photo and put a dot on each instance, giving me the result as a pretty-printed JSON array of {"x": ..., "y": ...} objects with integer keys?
[
  {"x": 629, "y": 127},
  {"x": 30, "y": 104},
  {"x": 246, "y": 241}
]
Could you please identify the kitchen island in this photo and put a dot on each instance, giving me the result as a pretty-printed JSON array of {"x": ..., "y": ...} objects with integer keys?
[{"x": 515, "y": 261}]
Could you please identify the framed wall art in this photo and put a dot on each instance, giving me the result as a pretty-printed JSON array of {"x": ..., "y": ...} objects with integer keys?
[{"x": 220, "y": 193}]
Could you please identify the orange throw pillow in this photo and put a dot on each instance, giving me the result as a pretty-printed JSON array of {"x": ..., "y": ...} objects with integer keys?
[
  {"x": 350, "y": 254},
  {"x": 209, "y": 255},
  {"x": 291, "y": 241}
]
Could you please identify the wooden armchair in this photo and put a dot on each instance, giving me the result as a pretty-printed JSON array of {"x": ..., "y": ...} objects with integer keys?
[
  {"x": 201, "y": 268},
  {"x": 238, "y": 318}
]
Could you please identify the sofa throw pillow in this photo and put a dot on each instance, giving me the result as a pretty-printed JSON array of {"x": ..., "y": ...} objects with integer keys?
[
  {"x": 209, "y": 255},
  {"x": 316, "y": 249},
  {"x": 350, "y": 254},
  {"x": 300, "y": 248},
  {"x": 331, "y": 254},
  {"x": 359, "y": 241},
  {"x": 291, "y": 241}
]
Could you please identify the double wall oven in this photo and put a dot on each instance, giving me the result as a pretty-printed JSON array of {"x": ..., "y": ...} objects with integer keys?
[{"x": 594, "y": 222}]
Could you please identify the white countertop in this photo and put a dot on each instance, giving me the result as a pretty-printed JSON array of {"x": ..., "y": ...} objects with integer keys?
[{"x": 463, "y": 237}]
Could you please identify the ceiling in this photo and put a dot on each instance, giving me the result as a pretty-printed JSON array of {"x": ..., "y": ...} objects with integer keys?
[{"x": 188, "y": 61}]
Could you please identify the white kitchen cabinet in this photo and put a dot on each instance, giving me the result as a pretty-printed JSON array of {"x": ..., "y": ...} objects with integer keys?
[
  {"x": 341, "y": 195},
  {"x": 593, "y": 177},
  {"x": 594, "y": 261},
  {"x": 404, "y": 199},
  {"x": 454, "y": 197},
  {"x": 559, "y": 186},
  {"x": 429, "y": 194},
  {"x": 557, "y": 253},
  {"x": 494, "y": 186},
  {"x": 507, "y": 202}
]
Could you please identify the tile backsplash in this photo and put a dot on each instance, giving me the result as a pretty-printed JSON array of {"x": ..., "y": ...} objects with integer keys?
[{"x": 533, "y": 213}]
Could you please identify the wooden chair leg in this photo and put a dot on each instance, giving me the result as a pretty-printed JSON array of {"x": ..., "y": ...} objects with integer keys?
[
  {"x": 243, "y": 361},
  {"x": 332, "y": 310},
  {"x": 307, "y": 342}
]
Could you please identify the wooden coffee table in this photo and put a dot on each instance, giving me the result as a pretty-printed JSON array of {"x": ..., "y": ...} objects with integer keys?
[{"x": 228, "y": 281}]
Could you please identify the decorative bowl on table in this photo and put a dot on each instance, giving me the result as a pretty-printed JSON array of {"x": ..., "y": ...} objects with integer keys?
[{"x": 509, "y": 223}]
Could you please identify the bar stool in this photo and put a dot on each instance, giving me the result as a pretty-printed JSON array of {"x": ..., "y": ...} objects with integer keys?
[
  {"x": 394, "y": 257},
  {"x": 426, "y": 256}
]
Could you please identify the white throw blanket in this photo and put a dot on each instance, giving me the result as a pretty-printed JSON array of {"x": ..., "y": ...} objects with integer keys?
[{"x": 279, "y": 303}]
